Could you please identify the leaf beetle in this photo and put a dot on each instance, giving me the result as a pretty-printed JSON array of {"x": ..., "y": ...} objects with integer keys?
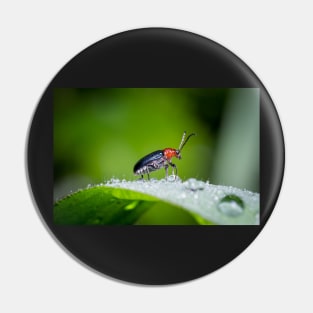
[{"x": 159, "y": 159}]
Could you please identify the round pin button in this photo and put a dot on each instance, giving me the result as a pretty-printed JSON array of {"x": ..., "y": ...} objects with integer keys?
[{"x": 155, "y": 156}]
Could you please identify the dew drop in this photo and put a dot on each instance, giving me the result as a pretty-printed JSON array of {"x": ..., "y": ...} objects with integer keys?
[
  {"x": 172, "y": 178},
  {"x": 115, "y": 180},
  {"x": 193, "y": 184},
  {"x": 231, "y": 205}
]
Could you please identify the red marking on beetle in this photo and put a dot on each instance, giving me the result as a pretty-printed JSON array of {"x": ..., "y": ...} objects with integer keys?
[{"x": 169, "y": 153}]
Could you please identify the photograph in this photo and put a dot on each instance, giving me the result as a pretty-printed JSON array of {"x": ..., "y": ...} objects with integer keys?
[{"x": 156, "y": 156}]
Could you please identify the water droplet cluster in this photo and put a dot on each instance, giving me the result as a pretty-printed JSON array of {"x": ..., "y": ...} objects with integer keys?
[{"x": 221, "y": 204}]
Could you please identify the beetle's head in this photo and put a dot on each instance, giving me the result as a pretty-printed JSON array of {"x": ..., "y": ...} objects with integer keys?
[{"x": 170, "y": 153}]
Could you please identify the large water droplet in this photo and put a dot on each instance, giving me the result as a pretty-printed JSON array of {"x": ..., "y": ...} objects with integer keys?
[{"x": 231, "y": 205}]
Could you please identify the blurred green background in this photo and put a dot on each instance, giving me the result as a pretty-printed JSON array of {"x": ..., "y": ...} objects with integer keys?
[{"x": 102, "y": 133}]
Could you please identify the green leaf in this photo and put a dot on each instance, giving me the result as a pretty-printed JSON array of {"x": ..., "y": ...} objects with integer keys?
[{"x": 158, "y": 202}]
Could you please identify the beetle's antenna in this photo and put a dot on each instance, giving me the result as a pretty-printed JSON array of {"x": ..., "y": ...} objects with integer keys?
[{"x": 183, "y": 141}]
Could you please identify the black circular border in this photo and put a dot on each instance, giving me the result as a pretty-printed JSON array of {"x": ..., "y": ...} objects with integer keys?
[{"x": 155, "y": 57}]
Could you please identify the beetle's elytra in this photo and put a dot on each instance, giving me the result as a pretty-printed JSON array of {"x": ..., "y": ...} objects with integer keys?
[{"x": 159, "y": 159}]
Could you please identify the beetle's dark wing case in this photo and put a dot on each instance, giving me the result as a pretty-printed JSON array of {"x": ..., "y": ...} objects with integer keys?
[{"x": 148, "y": 158}]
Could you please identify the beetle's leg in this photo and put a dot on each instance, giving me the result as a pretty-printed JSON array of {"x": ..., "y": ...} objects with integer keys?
[
  {"x": 166, "y": 170},
  {"x": 174, "y": 167},
  {"x": 148, "y": 173}
]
